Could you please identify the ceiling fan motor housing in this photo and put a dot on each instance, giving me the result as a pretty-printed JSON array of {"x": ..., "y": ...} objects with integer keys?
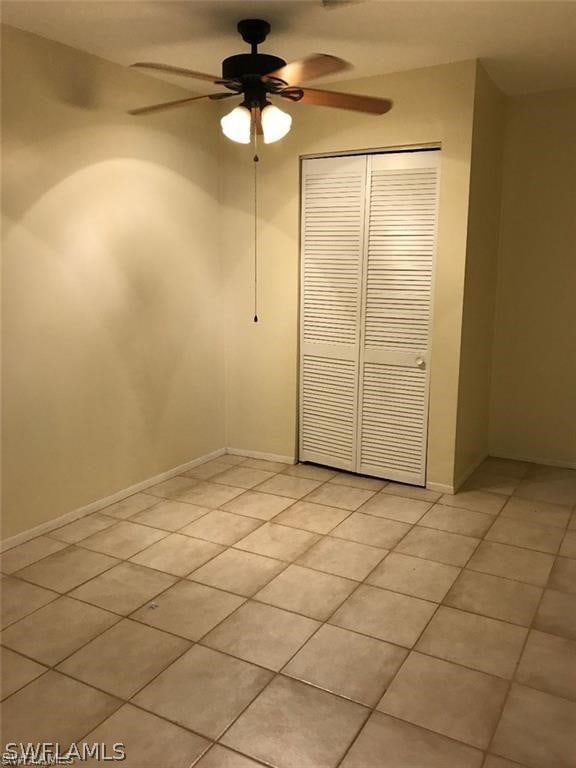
[{"x": 250, "y": 64}]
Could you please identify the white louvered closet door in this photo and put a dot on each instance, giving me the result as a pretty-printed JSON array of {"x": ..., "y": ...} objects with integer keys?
[
  {"x": 396, "y": 315},
  {"x": 332, "y": 247}
]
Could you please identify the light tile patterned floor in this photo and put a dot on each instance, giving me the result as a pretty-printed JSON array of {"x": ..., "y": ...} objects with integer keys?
[{"x": 253, "y": 613}]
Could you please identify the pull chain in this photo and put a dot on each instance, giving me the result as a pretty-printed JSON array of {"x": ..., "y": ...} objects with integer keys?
[{"x": 256, "y": 160}]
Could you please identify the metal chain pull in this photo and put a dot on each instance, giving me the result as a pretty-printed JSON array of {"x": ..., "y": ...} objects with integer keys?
[{"x": 256, "y": 160}]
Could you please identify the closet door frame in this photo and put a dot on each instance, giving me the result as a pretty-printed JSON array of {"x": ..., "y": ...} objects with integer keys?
[{"x": 367, "y": 153}]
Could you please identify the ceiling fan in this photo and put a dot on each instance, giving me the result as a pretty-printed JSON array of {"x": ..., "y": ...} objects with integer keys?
[{"x": 257, "y": 76}]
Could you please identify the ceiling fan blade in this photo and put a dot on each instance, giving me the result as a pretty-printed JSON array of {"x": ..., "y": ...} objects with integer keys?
[
  {"x": 317, "y": 65},
  {"x": 356, "y": 102},
  {"x": 177, "y": 103},
  {"x": 175, "y": 70}
]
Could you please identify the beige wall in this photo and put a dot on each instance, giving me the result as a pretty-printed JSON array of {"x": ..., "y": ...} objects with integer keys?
[
  {"x": 113, "y": 365},
  {"x": 480, "y": 282},
  {"x": 533, "y": 411},
  {"x": 434, "y": 105}
]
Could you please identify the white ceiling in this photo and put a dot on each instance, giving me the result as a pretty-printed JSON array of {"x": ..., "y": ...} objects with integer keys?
[{"x": 526, "y": 46}]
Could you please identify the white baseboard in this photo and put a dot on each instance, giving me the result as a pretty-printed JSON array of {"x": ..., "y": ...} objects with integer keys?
[
  {"x": 563, "y": 464},
  {"x": 260, "y": 455},
  {"x": 440, "y": 488},
  {"x": 95, "y": 506},
  {"x": 460, "y": 480}
]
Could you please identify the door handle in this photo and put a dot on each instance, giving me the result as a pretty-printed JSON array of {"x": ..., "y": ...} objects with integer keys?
[{"x": 420, "y": 362}]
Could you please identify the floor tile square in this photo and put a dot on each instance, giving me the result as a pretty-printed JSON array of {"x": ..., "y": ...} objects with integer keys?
[
  {"x": 177, "y": 554},
  {"x": 495, "y": 597},
  {"x": 308, "y": 592},
  {"x": 263, "y": 506},
  {"x": 20, "y": 598},
  {"x": 171, "y": 488},
  {"x": 455, "y": 520},
  {"x": 243, "y": 573},
  {"x": 31, "y": 714},
  {"x": 189, "y": 610},
  {"x": 204, "y": 690},
  {"x": 123, "y": 539},
  {"x": 512, "y": 563},
  {"x": 350, "y": 665},
  {"x": 474, "y": 641},
  {"x": 312, "y": 517},
  {"x": 243, "y": 476},
  {"x": 386, "y": 615},
  {"x": 486, "y": 480},
  {"x": 30, "y": 552},
  {"x": 222, "y": 527},
  {"x": 16, "y": 672},
  {"x": 82, "y": 528},
  {"x": 509, "y": 467},
  {"x": 411, "y": 492},
  {"x": 261, "y": 634},
  {"x": 67, "y": 569},
  {"x": 536, "y": 512},
  {"x": 220, "y": 757},
  {"x": 537, "y": 729},
  {"x": 211, "y": 495},
  {"x": 549, "y": 664},
  {"x": 400, "y": 508},
  {"x": 499, "y": 762},
  {"x": 291, "y": 725},
  {"x": 170, "y": 515},
  {"x": 342, "y": 558},
  {"x": 131, "y": 505},
  {"x": 340, "y": 496},
  {"x": 374, "y": 531},
  {"x": 149, "y": 741},
  {"x": 456, "y": 702},
  {"x": 553, "y": 484},
  {"x": 477, "y": 501},
  {"x": 563, "y": 576},
  {"x": 358, "y": 481},
  {"x": 310, "y": 471},
  {"x": 209, "y": 469},
  {"x": 557, "y": 614},
  {"x": 406, "y": 746},
  {"x": 414, "y": 576},
  {"x": 57, "y": 630},
  {"x": 538, "y": 537},
  {"x": 278, "y": 541},
  {"x": 123, "y": 588},
  {"x": 269, "y": 466},
  {"x": 124, "y": 658},
  {"x": 441, "y": 546},
  {"x": 288, "y": 486},
  {"x": 568, "y": 548},
  {"x": 233, "y": 458}
]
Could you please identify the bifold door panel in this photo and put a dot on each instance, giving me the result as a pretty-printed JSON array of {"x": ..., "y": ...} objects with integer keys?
[
  {"x": 333, "y": 213},
  {"x": 368, "y": 242}
]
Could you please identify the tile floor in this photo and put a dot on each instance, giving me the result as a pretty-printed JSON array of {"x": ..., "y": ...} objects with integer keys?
[{"x": 253, "y": 613}]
